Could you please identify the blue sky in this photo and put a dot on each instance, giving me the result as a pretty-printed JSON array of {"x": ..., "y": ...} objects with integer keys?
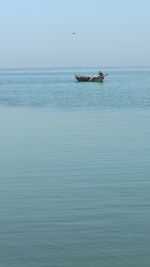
[{"x": 38, "y": 33}]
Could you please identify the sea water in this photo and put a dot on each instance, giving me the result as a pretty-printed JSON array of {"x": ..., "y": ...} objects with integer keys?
[{"x": 74, "y": 168}]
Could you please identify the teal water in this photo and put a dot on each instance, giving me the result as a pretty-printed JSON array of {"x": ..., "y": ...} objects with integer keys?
[{"x": 74, "y": 169}]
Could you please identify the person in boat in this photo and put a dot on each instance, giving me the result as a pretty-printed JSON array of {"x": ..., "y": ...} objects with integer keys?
[{"x": 101, "y": 74}]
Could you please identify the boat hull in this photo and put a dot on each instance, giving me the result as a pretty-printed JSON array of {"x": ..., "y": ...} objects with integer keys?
[
  {"x": 85, "y": 78},
  {"x": 82, "y": 78}
]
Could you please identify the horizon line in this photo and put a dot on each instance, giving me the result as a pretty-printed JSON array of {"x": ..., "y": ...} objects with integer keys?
[{"x": 73, "y": 67}]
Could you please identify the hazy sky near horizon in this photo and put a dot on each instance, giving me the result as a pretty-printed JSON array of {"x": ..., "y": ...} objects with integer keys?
[{"x": 38, "y": 33}]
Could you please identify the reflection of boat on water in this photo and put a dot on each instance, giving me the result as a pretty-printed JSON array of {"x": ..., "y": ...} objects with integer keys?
[{"x": 87, "y": 78}]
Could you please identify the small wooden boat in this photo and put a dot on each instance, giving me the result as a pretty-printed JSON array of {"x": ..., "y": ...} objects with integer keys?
[{"x": 93, "y": 78}]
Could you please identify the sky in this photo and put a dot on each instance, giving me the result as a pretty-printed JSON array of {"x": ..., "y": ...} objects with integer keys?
[{"x": 38, "y": 33}]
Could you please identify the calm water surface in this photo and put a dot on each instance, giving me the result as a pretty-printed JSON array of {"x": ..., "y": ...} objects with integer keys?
[{"x": 74, "y": 169}]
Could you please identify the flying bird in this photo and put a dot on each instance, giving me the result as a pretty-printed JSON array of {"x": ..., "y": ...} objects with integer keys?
[{"x": 73, "y": 33}]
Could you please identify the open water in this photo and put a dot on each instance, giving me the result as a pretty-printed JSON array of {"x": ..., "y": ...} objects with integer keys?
[{"x": 74, "y": 169}]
